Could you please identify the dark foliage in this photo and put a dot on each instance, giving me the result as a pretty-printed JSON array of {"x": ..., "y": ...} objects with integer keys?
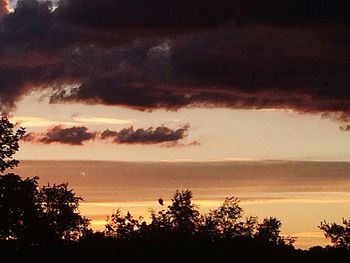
[
  {"x": 19, "y": 209},
  {"x": 182, "y": 219},
  {"x": 9, "y": 143},
  {"x": 178, "y": 233},
  {"x": 31, "y": 215},
  {"x": 338, "y": 234},
  {"x": 59, "y": 210}
]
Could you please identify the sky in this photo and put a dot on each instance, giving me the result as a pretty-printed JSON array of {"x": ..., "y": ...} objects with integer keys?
[{"x": 177, "y": 80}]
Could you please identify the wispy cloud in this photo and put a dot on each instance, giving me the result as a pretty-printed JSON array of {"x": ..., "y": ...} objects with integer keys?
[
  {"x": 33, "y": 121},
  {"x": 30, "y": 121},
  {"x": 309, "y": 234},
  {"x": 100, "y": 120}
]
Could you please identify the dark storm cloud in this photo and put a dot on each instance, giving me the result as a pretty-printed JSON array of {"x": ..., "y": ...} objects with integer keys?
[
  {"x": 292, "y": 12},
  {"x": 58, "y": 134},
  {"x": 164, "y": 54},
  {"x": 159, "y": 15},
  {"x": 151, "y": 135},
  {"x": 168, "y": 14},
  {"x": 249, "y": 68}
]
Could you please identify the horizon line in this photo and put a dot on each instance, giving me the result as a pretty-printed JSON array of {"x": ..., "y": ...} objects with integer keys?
[{"x": 223, "y": 160}]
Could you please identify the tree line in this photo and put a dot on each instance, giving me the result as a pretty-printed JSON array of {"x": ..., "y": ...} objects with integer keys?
[{"x": 35, "y": 217}]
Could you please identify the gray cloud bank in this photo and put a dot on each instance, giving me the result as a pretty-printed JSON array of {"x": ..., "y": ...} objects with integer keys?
[
  {"x": 162, "y": 54},
  {"x": 78, "y": 135}
]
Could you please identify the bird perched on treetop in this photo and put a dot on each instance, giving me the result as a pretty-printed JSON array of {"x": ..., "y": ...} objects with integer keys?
[{"x": 160, "y": 201}]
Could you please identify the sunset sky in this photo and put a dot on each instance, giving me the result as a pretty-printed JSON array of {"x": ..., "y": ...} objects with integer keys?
[{"x": 177, "y": 80}]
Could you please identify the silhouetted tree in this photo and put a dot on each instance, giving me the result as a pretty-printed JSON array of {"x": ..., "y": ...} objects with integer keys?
[
  {"x": 179, "y": 217},
  {"x": 29, "y": 214},
  {"x": 183, "y": 214},
  {"x": 160, "y": 221},
  {"x": 9, "y": 145},
  {"x": 123, "y": 227},
  {"x": 182, "y": 217},
  {"x": 223, "y": 220},
  {"x": 19, "y": 210},
  {"x": 247, "y": 228},
  {"x": 33, "y": 215},
  {"x": 338, "y": 234},
  {"x": 60, "y": 211},
  {"x": 269, "y": 230}
]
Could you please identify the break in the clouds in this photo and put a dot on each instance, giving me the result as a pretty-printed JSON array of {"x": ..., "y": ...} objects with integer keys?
[
  {"x": 78, "y": 135},
  {"x": 3, "y": 7},
  {"x": 164, "y": 54}
]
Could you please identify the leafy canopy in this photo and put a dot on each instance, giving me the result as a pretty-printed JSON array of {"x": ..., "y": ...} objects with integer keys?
[{"x": 9, "y": 143}]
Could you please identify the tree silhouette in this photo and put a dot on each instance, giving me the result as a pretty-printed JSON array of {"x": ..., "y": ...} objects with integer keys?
[
  {"x": 18, "y": 207},
  {"x": 269, "y": 230},
  {"x": 223, "y": 220},
  {"x": 19, "y": 210},
  {"x": 60, "y": 211},
  {"x": 182, "y": 217},
  {"x": 9, "y": 143},
  {"x": 183, "y": 214},
  {"x": 30, "y": 214},
  {"x": 338, "y": 234},
  {"x": 123, "y": 227},
  {"x": 34, "y": 215}
]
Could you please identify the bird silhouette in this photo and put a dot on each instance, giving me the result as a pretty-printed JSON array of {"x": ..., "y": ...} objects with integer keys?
[{"x": 160, "y": 201}]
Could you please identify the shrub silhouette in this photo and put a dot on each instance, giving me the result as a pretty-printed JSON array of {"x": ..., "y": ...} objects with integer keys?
[{"x": 339, "y": 235}]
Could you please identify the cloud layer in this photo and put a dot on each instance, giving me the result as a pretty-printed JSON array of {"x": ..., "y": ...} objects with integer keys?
[
  {"x": 58, "y": 134},
  {"x": 164, "y": 54},
  {"x": 78, "y": 135},
  {"x": 146, "y": 136}
]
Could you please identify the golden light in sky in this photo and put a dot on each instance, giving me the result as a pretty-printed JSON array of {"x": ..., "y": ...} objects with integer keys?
[{"x": 129, "y": 101}]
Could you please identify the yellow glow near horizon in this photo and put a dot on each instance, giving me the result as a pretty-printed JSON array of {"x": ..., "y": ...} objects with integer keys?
[
  {"x": 30, "y": 121},
  {"x": 306, "y": 236},
  {"x": 101, "y": 120},
  {"x": 222, "y": 134}
]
